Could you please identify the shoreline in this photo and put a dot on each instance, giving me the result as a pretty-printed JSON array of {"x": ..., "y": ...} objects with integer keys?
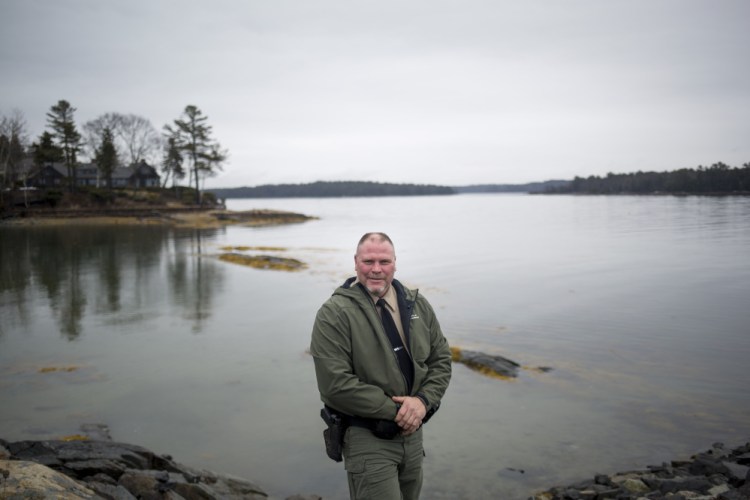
[
  {"x": 91, "y": 465},
  {"x": 189, "y": 217}
]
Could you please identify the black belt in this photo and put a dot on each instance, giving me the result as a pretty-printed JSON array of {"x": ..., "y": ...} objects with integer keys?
[
  {"x": 384, "y": 429},
  {"x": 367, "y": 423}
]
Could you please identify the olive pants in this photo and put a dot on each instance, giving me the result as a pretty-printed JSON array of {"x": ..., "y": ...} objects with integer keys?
[{"x": 383, "y": 469}]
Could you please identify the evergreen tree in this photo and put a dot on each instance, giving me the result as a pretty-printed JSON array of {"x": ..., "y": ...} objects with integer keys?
[
  {"x": 106, "y": 156},
  {"x": 45, "y": 151},
  {"x": 193, "y": 138},
  {"x": 172, "y": 162},
  {"x": 60, "y": 120}
]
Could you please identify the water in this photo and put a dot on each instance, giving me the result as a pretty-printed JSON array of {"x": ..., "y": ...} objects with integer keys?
[{"x": 638, "y": 304}]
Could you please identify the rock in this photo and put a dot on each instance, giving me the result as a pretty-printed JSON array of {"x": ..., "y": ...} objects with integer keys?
[
  {"x": 23, "y": 479},
  {"x": 635, "y": 486},
  {"x": 57, "y": 453},
  {"x": 264, "y": 261},
  {"x": 700, "y": 485},
  {"x": 491, "y": 365},
  {"x": 119, "y": 471},
  {"x": 97, "y": 432},
  {"x": 705, "y": 465},
  {"x": 716, "y": 474}
]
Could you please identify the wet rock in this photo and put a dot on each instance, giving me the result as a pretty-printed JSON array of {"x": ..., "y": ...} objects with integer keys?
[
  {"x": 97, "y": 432},
  {"x": 492, "y": 365},
  {"x": 264, "y": 261},
  {"x": 635, "y": 486},
  {"x": 488, "y": 364},
  {"x": 21, "y": 479},
  {"x": 717, "y": 474},
  {"x": 119, "y": 471},
  {"x": 111, "y": 492}
]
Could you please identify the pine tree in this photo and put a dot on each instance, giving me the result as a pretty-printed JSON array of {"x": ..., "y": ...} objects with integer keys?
[
  {"x": 46, "y": 151},
  {"x": 193, "y": 138},
  {"x": 60, "y": 120},
  {"x": 172, "y": 162},
  {"x": 106, "y": 156}
]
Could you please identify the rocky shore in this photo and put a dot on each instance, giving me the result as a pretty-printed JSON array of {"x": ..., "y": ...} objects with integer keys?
[
  {"x": 716, "y": 474},
  {"x": 85, "y": 469},
  {"x": 82, "y": 468}
]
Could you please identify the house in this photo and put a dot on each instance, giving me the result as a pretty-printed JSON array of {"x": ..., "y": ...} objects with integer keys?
[
  {"x": 138, "y": 175},
  {"x": 48, "y": 176}
]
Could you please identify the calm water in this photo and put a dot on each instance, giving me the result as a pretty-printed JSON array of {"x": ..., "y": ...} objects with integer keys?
[{"x": 640, "y": 305}]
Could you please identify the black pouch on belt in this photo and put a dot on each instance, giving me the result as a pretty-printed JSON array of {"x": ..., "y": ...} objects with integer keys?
[{"x": 385, "y": 429}]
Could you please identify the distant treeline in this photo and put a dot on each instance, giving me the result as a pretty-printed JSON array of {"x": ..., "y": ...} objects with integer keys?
[
  {"x": 354, "y": 188},
  {"x": 331, "y": 190},
  {"x": 716, "y": 179},
  {"x": 531, "y": 187}
]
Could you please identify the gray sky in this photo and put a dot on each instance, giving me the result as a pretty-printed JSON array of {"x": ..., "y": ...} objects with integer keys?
[{"x": 448, "y": 92}]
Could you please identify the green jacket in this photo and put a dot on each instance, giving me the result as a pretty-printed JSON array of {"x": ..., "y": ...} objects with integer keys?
[{"x": 355, "y": 365}]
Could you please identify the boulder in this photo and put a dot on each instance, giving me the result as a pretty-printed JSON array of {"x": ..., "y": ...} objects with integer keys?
[
  {"x": 107, "y": 469},
  {"x": 22, "y": 479}
]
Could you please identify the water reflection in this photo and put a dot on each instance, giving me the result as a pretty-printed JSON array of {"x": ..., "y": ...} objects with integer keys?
[{"x": 115, "y": 272}]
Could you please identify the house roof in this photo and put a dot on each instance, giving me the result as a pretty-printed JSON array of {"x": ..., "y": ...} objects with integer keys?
[{"x": 90, "y": 170}]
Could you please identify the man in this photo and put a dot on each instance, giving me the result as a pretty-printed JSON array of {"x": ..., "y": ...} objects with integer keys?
[{"x": 382, "y": 364}]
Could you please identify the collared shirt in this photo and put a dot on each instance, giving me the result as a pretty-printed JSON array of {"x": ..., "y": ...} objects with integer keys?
[{"x": 392, "y": 302}]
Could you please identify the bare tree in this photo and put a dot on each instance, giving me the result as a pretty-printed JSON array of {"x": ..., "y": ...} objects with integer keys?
[
  {"x": 13, "y": 141},
  {"x": 94, "y": 131},
  {"x": 140, "y": 138},
  {"x": 134, "y": 136}
]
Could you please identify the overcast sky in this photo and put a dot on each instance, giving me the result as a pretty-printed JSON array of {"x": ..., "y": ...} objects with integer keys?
[{"x": 450, "y": 92}]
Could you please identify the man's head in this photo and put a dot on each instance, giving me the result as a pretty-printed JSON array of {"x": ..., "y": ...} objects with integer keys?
[{"x": 375, "y": 262}]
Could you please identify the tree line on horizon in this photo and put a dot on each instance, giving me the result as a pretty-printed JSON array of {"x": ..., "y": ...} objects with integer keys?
[
  {"x": 331, "y": 189},
  {"x": 184, "y": 148},
  {"x": 719, "y": 178}
]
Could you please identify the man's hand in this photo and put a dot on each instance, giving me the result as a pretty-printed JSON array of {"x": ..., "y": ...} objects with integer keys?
[{"x": 411, "y": 413}]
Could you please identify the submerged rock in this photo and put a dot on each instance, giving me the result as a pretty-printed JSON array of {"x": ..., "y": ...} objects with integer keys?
[
  {"x": 492, "y": 365},
  {"x": 487, "y": 364},
  {"x": 263, "y": 261},
  {"x": 260, "y": 217}
]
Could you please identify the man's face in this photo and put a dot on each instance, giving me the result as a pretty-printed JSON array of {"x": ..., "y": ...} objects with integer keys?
[{"x": 375, "y": 263}]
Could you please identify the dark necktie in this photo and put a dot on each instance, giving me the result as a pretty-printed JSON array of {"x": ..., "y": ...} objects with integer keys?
[{"x": 402, "y": 354}]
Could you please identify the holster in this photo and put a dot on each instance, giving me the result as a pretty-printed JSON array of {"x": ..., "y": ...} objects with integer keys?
[{"x": 334, "y": 434}]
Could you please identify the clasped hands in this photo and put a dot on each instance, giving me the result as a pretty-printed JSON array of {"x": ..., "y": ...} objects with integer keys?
[{"x": 411, "y": 413}]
